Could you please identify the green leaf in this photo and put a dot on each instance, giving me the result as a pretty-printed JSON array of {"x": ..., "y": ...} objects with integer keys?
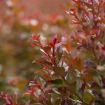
[
  {"x": 57, "y": 83},
  {"x": 87, "y": 97}
]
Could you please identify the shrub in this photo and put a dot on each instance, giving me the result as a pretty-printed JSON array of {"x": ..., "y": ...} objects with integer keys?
[{"x": 72, "y": 67}]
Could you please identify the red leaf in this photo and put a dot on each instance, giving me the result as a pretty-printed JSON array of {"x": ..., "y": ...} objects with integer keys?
[
  {"x": 35, "y": 37},
  {"x": 103, "y": 47}
]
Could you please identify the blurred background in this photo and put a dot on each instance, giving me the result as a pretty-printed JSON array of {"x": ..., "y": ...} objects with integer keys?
[{"x": 19, "y": 19}]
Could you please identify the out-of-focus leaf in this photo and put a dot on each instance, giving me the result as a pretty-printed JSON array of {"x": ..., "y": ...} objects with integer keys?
[
  {"x": 55, "y": 99},
  {"x": 60, "y": 71},
  {"x": 66, "y": 102},
  {"x": 43, "y": 74},
  {"x": 70, "y": 77},
  {"x": 57, "y": 83},
  {"x": 97, "y": 78},
  {"x": 87, "y": 97},
  {"x": 58, "y": 56}
]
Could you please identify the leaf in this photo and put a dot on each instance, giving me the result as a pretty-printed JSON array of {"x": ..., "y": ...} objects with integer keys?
[
  {"x": 55, "y": 99},
  {"x": 57, "y": 83},
  {"x": 43, "y": 62},
  {"x": 58, "y": 55},
  {"x": 70, "y": 77},
  {"x": 87, "y": 97},
  {"x": 43, "y": 74},
  {"x": 66, "y": 102},
  {"x": 60, "y": 71},
  {"x": 47, "y": 49},
  {"x": 97, "y": 79}
]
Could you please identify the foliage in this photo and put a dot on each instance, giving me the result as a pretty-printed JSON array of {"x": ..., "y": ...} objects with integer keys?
[
  {"x": 16, "y": 53},
  {"x": 72, "y": 67}
]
